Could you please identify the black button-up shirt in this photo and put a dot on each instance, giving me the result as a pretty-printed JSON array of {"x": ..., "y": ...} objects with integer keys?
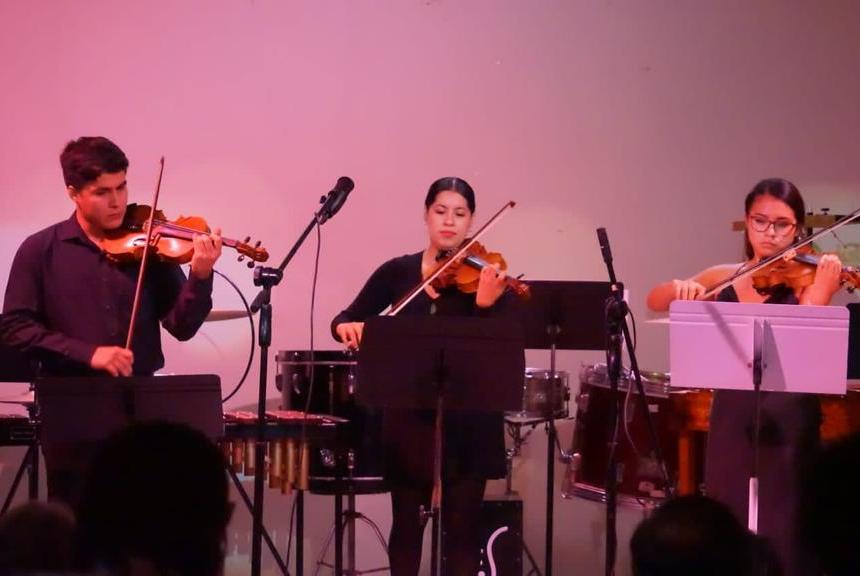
[{"x": 65, "y": 298}]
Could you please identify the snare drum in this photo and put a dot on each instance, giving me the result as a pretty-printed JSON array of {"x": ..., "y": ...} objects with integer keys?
[
  {"x": 544, "y": 397},
  {"x": 677, "y": 417},
  {"x": 358, "y": 443}
]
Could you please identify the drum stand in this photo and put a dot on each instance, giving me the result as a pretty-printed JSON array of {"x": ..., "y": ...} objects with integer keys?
[
  {"x": 515, "y": 432},
  {"x": 345, "y": 520},
  {"x": 30, "y": 464}
]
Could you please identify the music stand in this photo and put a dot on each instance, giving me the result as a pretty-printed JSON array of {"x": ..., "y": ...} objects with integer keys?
[
  {"x": 568, "y": 316},
  {"x": 758, "y": 347},
  {"x": 441, "y": 363},
  {"x": 67, "y": 406}
]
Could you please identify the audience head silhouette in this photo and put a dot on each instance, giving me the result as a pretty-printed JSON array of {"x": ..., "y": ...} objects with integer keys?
[
  {"x": 691, "y": 536},
  {"x": 156, "y": 501}
]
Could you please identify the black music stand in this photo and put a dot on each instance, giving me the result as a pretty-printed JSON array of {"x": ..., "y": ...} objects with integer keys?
[
  {"x": 441, "y": 363},
  {"x": 562, "y": 315},
  {"x": 76, "y": 413}
]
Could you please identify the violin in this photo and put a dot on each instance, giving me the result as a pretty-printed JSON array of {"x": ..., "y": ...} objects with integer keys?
[
  {"x": 171, "y": 240},
  {"x": 465, "y": 271},
  {"x": 797, "y": 271},
  {"x": 459, "y": 257}
]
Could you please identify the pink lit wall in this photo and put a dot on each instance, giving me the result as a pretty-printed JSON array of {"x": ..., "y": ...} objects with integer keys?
[{"x": 652, "y": 119}]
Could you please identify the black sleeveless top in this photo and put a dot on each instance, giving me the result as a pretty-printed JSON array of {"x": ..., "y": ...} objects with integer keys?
[
  {"x": 789, "y": 440},
  {"x": 781, "y": 295}
]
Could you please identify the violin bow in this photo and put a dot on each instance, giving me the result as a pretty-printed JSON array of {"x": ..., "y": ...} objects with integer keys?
[
  {"x": 460, "y": 251},
  {"x": 710, "y": 291},
  {"x": 138, "y": 290}
]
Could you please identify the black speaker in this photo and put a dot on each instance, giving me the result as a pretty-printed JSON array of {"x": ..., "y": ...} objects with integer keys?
[{"x": 502, "y": 535}]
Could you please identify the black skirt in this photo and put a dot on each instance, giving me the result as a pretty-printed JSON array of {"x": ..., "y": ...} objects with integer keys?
[
  {"x": 789, "y": 442},
  {"x": 473, "y": 445}
]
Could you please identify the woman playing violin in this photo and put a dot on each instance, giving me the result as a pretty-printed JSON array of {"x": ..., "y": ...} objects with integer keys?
[
  {"x": 789, "y": 432},
  {"x": 474, "y": 442}
]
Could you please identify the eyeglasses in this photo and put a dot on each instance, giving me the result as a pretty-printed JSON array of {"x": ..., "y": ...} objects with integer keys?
[{"x": 780, "y": 227}]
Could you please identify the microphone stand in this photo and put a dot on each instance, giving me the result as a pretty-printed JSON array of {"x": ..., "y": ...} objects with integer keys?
[
  {"x": 616, "y": 311},
  {"x": 267, "y": 278}
]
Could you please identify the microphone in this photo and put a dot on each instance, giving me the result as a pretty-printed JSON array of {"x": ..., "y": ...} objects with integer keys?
[
  {"x": 335, "y": 199},
  {"x": 603, "y": 240}
]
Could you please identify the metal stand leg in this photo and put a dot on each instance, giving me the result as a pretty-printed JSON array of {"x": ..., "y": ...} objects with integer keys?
[
  {"x": 264, "y": 534},
  {"x": 550, "y": 479},
  {"x": 346, "y": 522},
  {"x": 26, "y": 463},
  {"x": 33, "y": 476},
  {"x": 515, "y": 432}
]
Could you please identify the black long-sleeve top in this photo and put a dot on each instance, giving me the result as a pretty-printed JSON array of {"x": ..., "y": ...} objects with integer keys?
[
  {"x": 64, "y": 298},
  {"x": 393, "y": 280}
]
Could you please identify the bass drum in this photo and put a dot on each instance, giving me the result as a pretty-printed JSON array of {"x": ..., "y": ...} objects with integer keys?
[
  {"x": 357, "y": 443},
  {"x": 680, "y": 419}
]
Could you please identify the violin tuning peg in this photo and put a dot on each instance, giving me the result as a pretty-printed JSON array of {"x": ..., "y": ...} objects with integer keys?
[
  {"x": 246, "y": 240},
  {"x": 257, "y": 245}
]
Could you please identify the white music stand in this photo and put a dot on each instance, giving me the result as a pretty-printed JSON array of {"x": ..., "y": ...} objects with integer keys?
[{"x": 758, "y": 347}]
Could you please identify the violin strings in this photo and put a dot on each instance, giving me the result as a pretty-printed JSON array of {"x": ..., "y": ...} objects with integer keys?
[{"x": 226, "y": 241}]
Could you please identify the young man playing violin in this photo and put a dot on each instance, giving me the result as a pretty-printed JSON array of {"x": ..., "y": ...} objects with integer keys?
[
  {"x": 789, "y": 422},
  {"x": 68, "y": 305}
]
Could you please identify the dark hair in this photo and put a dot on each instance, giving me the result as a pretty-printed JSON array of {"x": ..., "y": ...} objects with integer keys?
[
  {"x": 85, "y": 159},
  {"x": 691, "y": 535},
  {"x": 780, "y": 189},
  {"x": 156, "y": 491},
  {"x": 37, "y": 537},
  {"x": 452, "y": 184}
]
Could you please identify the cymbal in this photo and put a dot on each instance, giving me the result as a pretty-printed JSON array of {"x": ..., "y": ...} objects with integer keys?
[
  {"x": 26, "y": 399},
  {"x": 218, "y": 315}
]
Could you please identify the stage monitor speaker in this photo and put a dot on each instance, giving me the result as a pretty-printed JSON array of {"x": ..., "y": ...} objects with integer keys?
[{"x": 502, "y": 535}]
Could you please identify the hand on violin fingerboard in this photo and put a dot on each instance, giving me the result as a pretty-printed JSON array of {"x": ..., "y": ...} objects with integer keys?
[
  {"x": 114, "y": 360},
  {"x": 491, "y": 285},
  {"x": 207, "y": 250}
]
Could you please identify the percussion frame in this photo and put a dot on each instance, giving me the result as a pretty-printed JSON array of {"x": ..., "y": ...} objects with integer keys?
[
  {"x": 30, "y": 464},
  {"x": 264, "y": 534}
]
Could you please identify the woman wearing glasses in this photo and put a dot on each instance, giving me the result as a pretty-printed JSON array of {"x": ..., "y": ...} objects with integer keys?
[{"x": 789, "y": 422}]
